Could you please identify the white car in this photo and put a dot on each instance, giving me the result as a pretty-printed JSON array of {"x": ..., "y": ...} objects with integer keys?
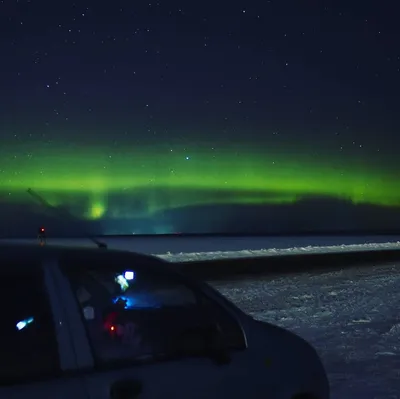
[{"x": 95, "y": 323}]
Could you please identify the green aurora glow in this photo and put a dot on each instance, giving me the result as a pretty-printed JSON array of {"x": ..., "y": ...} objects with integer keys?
[{"x": 167, "y": 180}]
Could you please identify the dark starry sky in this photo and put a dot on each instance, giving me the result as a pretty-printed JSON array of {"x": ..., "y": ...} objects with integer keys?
[{"x": 282, "y": 96}]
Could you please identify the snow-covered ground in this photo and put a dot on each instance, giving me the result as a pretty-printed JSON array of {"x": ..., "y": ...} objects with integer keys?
[
  {"x": 186, "y": 257},
  {"x": 177, "y": 248},
  {"x": 351, "y": 317}
]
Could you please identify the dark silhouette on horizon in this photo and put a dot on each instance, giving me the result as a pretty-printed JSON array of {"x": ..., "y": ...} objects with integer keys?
[{"x": 313, "y": 215}]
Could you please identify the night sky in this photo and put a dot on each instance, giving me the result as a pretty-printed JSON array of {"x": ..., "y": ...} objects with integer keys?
[{"x": 129, "y": 108}]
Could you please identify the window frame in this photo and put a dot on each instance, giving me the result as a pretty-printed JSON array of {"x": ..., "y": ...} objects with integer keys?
[
  {"x": 154, "y": 265},
  {"x": 66, "y": 362}
]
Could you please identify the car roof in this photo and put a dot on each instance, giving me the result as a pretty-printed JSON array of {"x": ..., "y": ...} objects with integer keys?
[{"x": 22, "y": 251}]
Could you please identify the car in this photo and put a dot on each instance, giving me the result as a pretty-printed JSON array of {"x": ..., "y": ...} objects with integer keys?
[{"x": 90, "y": 323}]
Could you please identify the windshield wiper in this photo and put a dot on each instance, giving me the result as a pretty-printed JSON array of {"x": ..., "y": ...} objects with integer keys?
[{"x": 57, "y": 212}]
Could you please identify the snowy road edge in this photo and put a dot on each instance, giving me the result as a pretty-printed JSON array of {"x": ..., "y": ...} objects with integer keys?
[{"x": 203, "y": 256}]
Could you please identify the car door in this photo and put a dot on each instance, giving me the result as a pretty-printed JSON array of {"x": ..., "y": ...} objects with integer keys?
[
  {"x": 145, "y": 327},
  {"x": 35, "y": 359}
]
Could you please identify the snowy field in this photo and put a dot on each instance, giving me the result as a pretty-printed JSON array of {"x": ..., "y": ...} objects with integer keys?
[
  {"x": 199, "y": 256},
  {"x": 177, "y": 248},
  {"x": 351, "y": 317}
]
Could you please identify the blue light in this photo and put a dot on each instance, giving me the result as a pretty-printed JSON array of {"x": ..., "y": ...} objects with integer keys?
[
  {"x": 23, "y": 323},
  {"x": 139, "y": 301},
  {"x": 128, "y": 301}
]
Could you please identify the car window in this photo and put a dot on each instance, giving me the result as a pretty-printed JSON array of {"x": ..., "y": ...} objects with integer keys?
[
  {"x": 29, "y": 348},
  {"x": 137, "y": 313}
]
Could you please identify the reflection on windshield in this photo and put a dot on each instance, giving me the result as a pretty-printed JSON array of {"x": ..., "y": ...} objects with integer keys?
[
  {"x": 134, "y": 313},
  {"x": 133, "y": 290},
  {"x": 24, "y": 323}
]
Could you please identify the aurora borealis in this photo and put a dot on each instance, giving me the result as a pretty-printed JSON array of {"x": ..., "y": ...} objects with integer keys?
[
  {"x": 193, "y": 179},
  {"x": 134, "y": 111}
]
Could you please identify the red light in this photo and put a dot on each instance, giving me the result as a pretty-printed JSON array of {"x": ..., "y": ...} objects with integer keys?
[
  {"x": 112, "y": 328},
  {"x": 42, "y": 229}
]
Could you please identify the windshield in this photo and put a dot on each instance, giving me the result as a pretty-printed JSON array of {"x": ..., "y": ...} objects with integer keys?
[{"x": 191, "y": 117}]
